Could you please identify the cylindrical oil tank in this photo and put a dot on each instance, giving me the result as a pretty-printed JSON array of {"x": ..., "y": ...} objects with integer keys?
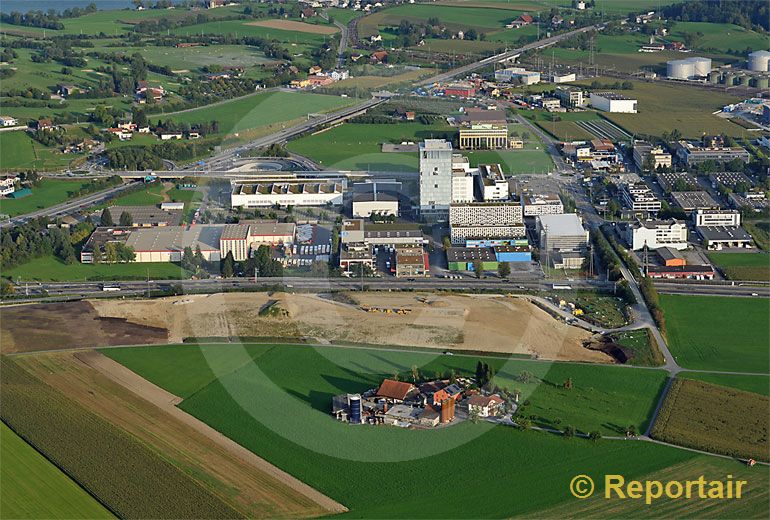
[
  {"x": 355, "y": 409},
  {"x": 762, "y": 82},
  {"x": 701, "y": 66},
  {"x": 715, "y": 76},
  {"x": 679, "y": 69},
  {"x": 729, "y": 78},
  {"x": 758, "y": 61},
  {"x": 745, "y": 80}
]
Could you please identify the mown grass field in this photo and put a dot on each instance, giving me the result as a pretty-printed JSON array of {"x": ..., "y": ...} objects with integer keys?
[
  {"x": 715, "y": 418},
  {"x": 720, "y": 37},
  {"x": 526, "y": 161},
  {"x": 49, "y": 193},
  {"x": 32, "y": 487},
  {"x": 643, "y": 350},
  {"x": 219, "y": 383},
  {"x": 718, "y": 333},
  {"x": 134, "y": 480},
  {"x": 262, "y": 109},
  {"x": 18, "y": 151},
  {"x": 757, "y": 384},
  {"x": 244, "y": 28},
  {"x": 454, "y": 17},
  {"x": 355, "y": 146},
  {"x": 663, "y": 108},
  {"x": 193, "y": 58},
  {"x": 743, "y": 266},
  {"x": 51, "y": 269}
]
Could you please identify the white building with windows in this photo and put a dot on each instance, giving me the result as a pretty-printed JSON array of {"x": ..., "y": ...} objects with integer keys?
[
  {"x": 435, "y": 178},
  {"x": 486, "y": 221},
  {"x": 287, "y": 192},
  {"x": 639, "y": 198},
  {"x": 716, "y": 217},
  {"x": 492, "y": 183},
  {"x": 562, "y": 233},
  {"x": 656, "y": 234},
  {"x": 613, "y": 102},
  {"x": 541, "y": 204}
]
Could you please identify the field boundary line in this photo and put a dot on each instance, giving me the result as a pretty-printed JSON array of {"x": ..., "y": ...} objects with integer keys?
[{"x": 161, "y": 398}]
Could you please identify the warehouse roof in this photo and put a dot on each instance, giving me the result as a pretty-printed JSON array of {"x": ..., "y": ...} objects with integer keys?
[
  {"x": 176, "y": 238},
  {"x": 271, "y": 228},
  {"x": 470, "y": 254},
  {"x": 613, "y": 96},
  {"x": 235, "y": 232},
  {"x": 374, "y": 196},
  {"x": 723, "y": 233},
  {"x": 669, "y": 253},
  {"x": 147, "y": 215},
  {"x": 562, "y": 225},
  {"x": 689, "y": 200}
]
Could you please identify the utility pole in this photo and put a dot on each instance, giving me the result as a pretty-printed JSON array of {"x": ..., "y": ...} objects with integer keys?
[{"x": 148, "y": 282}]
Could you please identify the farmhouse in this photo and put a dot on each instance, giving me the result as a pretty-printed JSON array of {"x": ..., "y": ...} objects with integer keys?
[
  {"x": 8, "y": 121},
  {"x": 485, "y": 405}
]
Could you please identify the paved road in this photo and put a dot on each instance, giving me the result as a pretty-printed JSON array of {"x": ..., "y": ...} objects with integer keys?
[
  {"x": 465, "y": 69},
  {"x": 71, "y": 206}
]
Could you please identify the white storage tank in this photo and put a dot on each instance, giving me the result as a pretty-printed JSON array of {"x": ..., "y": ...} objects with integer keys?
[
  {"x": 758, "y": 61},
  {"x": 701, "y": 66},
  {"x": 679, "y": 69}
]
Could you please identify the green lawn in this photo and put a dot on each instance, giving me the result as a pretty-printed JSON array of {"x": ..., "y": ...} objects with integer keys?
[
  {"x": 354, "y": 146},
  {"x": 756, "y": 384},
  {"x": 718, "y": 333},
  {"x": 193, "y": 58},
  {"x": 514, "y": 161},
  {"x": 743, "y": 266},
  {"x": 262, "y": 109},
  {"x": 49, "y": 193},
  {"x": 51, "y": 269},
  {"x": 271, "y": 410},
  {"x": 721, "y": 37},
  {"x": 18, "y": 151},
  {"x": 242, "y": 28},
  {"x": 151, "y": 195},
  {"x": 31, "y": 487}
]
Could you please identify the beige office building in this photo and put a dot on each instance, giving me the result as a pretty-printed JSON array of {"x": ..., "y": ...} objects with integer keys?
[{"x": 484, "y": 137}]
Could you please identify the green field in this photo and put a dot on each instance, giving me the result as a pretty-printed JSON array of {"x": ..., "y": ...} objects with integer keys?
[
  {"x": 642, "y": 347},
  {"x": 663, "y": 108},
  {"x": 718, "y": 333},
  {"x": 241, "y": 28},
  {"x": 220, "y": 382},
  {"x": 18, "y": 151},
  {"x": 193, "y": 58},
  {"x": 527, "y": 161},
  {"x": 259, "y": 110},
  {"x": 354, "y": 146},
  {"x": 743, "y": 266},
  {"x": 49, "y": 193},
  {"x": 756, "y": 384},
  {"x": 721, "y": 37},
  {"x": 455, "y": 18},
  {"x": 51, "y": 269},
  {"x": 32, "y": 487}
]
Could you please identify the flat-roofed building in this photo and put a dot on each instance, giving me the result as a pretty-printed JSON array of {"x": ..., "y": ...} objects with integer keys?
[
  {"x": 717, "y": 238},
  {"x": 692, "y": 154},
  {"x": 639, "y": 198},
  {"x": 484, "y": 137},
  {"x": 167, "y": 244},
  {"x": 613, "y": 102},
  {"x": 352, "y": 231},
  {"x": 649, "y": 158},
  {"x": 235, "y": 240},
  {"x": 732, "y": 180},
  {"x": 474, "y": 116},
  {"x": 570, "y": 97},
  {"x": 677, "y": 181},
  {"x": 535, "y": 204},
  {"x": 146, "y": 216},
  {"x": 288, "y": 192},
  {"x": 492, "y": 183},
  {"x": 716, "y": 217},
  {"x": 562, "y": 233},
  {"x": 374, "y": 203},
  {"x": 670, "y": 257},
  {"x": 356, "y": 258},
  {"x": 485, "y": 221},
  {"x": 464, "y": 258},
  {"x": 462, "y": 180},
  {"x": 655, "y": 234},
  {"x": 694, "y": 272},
  {"x": 693, "y": 200},
  {"x": 435, "y": 178}
]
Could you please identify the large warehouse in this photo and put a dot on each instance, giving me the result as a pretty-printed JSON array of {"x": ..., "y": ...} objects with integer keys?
[
  {"x": 613, "y": 102},
  {"x": 562, "y": 233},
  {"x": 288, "y": 192}
]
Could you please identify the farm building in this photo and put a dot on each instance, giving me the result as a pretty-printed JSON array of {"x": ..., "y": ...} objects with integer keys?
[{"x": 485, "y": 405}]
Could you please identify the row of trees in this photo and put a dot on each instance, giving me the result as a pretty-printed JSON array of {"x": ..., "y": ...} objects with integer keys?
[{"x": 20, "y": 244}]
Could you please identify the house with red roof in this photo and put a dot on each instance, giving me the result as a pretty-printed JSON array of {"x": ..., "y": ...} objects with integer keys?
[{"x": 396, "y": 391}]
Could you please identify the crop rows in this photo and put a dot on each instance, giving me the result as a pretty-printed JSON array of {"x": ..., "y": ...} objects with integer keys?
[
  {"x": 132, "y": 480},
  {"x": 715, "y": 419}
]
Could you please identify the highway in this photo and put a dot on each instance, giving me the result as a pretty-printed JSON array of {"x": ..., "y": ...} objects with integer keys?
[
  {"x": 71, "y": 206},
  {"x": 539, "y": 44}
]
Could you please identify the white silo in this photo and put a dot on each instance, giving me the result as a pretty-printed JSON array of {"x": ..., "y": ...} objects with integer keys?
[
  {"x": 758, "y": 61},
  {"x": 679, "y": 69},
  {"x": 701, "y": 66}
]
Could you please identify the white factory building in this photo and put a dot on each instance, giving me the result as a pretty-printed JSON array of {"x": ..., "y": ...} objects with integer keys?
[
  {"x": 657, "y": 233},
  {"x": 716, "y": 217},
  {"x": 462, "y": 179},
  {"x": 374, "y": 203},
  {"x": 492, "y": 183},
  {"x": 613, "y": 102},
  {"x": 287, "y": 192},
  {"x": 562, "y": 233},
  {"x": 517, "y": 75},
  {"x": 541, "y": 204},
  {"x": 486, "y": 221}
]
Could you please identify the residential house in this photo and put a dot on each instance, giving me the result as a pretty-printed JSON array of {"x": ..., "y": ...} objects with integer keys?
[{"x": 485, "y": 405}]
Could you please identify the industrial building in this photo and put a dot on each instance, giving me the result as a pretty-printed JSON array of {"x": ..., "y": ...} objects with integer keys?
[
  {"x": 562, "y": 78},
  {"x": 485, "y": 221},
  {"x": 463, "y": 258},
  {"x": 290, "y": 191},
  {"x": 716, "y": 238},
  {"x": 613, "y": 102},
  {"x": 487, "y": 136},
  {"x": 535, "y": 204},
  {"x": 570, "y": 97},
  {"x": 435, "y": 178},
  {"x": 491, "y": 183},
  {"x": 655, "y": 234},
  {"x": 648, "y": 157},
  {"x": 688, "y": 68},
  {"x": 677, "y": 181},
  {"x": 670, "y": 257},
  {"x": 692, "y": 154},
  {"x": 563, "y": 233},
  {"x": 694, "y": 272},
  {"x": 358, "y": 231},
  {"x": 716, "y": 217},
  {"x": 694, "y": 200},
  {"x": 374, "y": 203},
  {"x": 517, "y": 75},
  {"x": 411, "y": 261},
  {"x": 147, "y": 216},
  {"x": 758, "y": 61},
  {"x": 732, "y": 180},
  {"x": 639, "y": 198}
]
